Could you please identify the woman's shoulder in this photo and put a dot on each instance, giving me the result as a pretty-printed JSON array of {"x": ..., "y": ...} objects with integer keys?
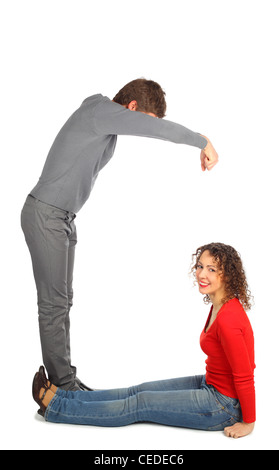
[{"x": 232, "y": 314}]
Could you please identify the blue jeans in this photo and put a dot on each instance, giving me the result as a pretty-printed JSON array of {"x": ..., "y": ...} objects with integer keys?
[{"x": 188, "y": 402}]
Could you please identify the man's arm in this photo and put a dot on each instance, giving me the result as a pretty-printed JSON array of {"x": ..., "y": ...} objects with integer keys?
[
  {"x": 209, "y": 156},
  {"x": 112, "y": 118}
]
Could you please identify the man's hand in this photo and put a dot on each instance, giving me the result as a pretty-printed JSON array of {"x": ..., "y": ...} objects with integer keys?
[
  {"x": 239, "y": 430},
  {"x": 209, "y": 156}
]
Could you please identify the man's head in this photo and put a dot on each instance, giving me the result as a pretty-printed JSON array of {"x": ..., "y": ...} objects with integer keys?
[{"x": 146, "y": 96}]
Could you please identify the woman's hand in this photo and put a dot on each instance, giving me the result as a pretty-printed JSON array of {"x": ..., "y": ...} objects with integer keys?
[
  {"x": 209, "y": 156},
  {"x": 239, "y": 430}
]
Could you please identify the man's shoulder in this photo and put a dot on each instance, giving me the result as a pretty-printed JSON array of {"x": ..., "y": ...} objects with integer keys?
[{"x": 94, "y": 99}]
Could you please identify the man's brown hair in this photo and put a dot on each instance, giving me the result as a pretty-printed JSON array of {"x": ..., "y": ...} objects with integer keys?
[{"x": 148, "y": 94}]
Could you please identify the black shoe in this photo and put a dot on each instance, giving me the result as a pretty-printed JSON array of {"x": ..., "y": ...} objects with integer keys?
[
  {"x": 83, "y": 387},
  {"x": 75, "y": 386}
]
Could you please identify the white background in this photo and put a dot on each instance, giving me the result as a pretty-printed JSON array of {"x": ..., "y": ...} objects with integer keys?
[{"x": 137, "y": 316}]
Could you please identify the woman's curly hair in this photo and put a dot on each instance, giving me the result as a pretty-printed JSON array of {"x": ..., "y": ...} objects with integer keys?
[{"x": 230, "y": 264}]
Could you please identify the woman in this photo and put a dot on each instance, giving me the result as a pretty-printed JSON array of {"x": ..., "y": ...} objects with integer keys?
[{"x": 223, "y": 399}]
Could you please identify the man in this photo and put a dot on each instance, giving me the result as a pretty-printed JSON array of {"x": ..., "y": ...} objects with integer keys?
[{"x": 82, "y": 148}]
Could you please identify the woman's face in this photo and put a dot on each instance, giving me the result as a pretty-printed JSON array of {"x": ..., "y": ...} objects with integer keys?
[{"x": 209, "y": 277}]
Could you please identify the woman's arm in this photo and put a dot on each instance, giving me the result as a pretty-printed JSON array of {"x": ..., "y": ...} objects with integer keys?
[{"x": 237, "y": 353}]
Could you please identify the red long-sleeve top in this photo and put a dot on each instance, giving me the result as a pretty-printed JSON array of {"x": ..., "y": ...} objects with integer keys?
[{"x": 229, "y": 345}]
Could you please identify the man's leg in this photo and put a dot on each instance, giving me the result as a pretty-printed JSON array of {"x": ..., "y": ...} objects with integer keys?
[
  {"x": 71, "y": 259},
  {"x": 70, "y": 270},
  {"x": 47, "y": 232}
]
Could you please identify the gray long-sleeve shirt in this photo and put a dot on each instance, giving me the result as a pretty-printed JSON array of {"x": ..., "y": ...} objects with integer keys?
[{"x": 87, "y": 142}]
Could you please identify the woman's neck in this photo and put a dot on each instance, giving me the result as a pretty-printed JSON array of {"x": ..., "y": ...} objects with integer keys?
[{"x": 216, "y": 304}]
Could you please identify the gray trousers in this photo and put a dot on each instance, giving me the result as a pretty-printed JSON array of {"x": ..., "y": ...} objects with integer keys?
[{"x": 51, "y": 237}]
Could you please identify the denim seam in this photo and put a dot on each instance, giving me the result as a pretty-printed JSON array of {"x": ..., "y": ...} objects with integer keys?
[
  {"x": 205, "y": 413},
  {"x": 228, "y": 422},
  {"x": 112, "y": 416},
  {"x": 50, "y": 405},
  {"x": 129, "y": 413},
  {"x": 88, "y": 417}
]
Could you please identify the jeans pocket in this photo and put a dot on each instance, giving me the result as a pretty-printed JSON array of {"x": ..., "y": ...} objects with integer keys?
[{"x": 231, "y": 405}]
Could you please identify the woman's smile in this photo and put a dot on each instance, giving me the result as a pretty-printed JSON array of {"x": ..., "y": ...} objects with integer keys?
[{"x": 204, "y": 284}]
